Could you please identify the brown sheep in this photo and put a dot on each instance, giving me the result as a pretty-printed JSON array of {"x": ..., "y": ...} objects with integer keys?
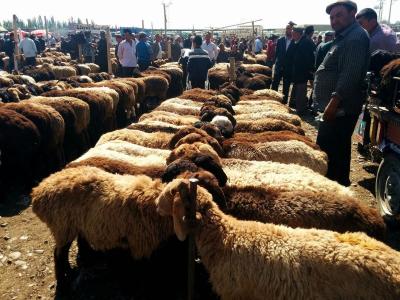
[{"x": 266, "y": 125}]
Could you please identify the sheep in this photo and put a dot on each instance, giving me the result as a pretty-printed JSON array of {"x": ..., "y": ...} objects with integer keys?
[
  {"x": 169, "y": 117},
  {"x": 218, "y": 75},
  {"x": 256, "y": 68},
  {"x": 266, "y": 124},
  {"x": 62, "y": 71},
  {"x": 250, "y": 97},
  {"x": 158, "y": 140},
  {"x": 198, "y": 95},
  {"x": 151, "y": 126},
  {"x": 270, "y": 94},
  {"x": 262, "y": 59},
  {"x": 76, "y": 115},
  {"x": 258, "y": 257},
  {"x": 102, "y": 112},
  {"x": 6, "y": 82},
  {"x": 92, "y": 203},
  {"x": 51, "y": 128},
  {"x": 289, "y": 152},
  {"x": 249, "y": 58},
  {"x": 133, "y": 150},
  {"x": 176, "y": 73},
  {"x": 247, "y": 107},
  {"x": 19, "y": 143},
  {"x": 116, "y": 166},
  {"x": 54, "y": 85},
  {"x": 83, "y": 69},
  {"x": 179, "y": 106},
  {"x": 231, "y": 91},
  {"x": 290, "y": 118},
  {"x": 96, "y": 77}
]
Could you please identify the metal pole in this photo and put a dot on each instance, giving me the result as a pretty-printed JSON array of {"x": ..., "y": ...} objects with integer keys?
[
  {"x": 390, "y": 11},
  {"x": 142, "y": 24},
  {"x": 192, "y": 245}
]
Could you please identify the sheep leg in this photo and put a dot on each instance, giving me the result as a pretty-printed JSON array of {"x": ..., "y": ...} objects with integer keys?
[
  {"x": 86, "y": 255},
  {"x": 62, "y": 266}
]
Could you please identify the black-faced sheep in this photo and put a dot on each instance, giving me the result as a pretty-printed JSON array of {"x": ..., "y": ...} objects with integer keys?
[{"x": 349, "y": 265}]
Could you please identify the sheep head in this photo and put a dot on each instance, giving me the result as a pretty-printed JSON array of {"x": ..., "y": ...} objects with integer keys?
[
  {"x": 209, "y": 113},
  {"x": 224, "y": 125},
  {"x": 174, "y": 201},
  {"x": 206, "y": 139},
  {"x": 190, "y": 150},
  {"x": 193, "y": 164}
]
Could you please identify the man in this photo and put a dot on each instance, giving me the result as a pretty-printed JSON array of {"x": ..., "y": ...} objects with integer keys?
[
  {"x": 258, "y": 45},
  {"x": 42, "y": 44},
  {"x": 223, "y": 56},
  {"x": 271, "y": 50},
  {"x": 176, "y": 49},
  {"x": 303, "y": 66},
  {"x": 36, "y": 41},
  {"x": 283, "y": 62},
  {"x": 88, "y": 49},
  {"x": 338, "y": 88},
  {"x": 9, "y": 48},
  {"x": 198, "y": 64},
  {"x": 143, "y": 52},
  {"x": 187, "y": 43},
  {"x": 382, "y": 37},
  {"x": 101, "y": 57},
  {"x": 156, "y": 47},
  {"x": 210, "y": 47},
  {"x": 28, "y": 48},
  {"x": 323, "y": 48},
  {"x": 127, "y": 54}
]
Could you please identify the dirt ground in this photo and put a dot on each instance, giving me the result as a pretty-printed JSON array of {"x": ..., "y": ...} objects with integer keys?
[{"x": 26, "y": 246}]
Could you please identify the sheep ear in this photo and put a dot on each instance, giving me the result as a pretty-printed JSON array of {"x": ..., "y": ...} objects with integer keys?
[
  {"x": 165, "y": 200},
  {"x": 179, "y": 212},
  {"x": 207, "y": 117},
  {"x": 170, "y": 173},
  {"x": 207, "y": 163},
  {"x": 216, "y": 192}
]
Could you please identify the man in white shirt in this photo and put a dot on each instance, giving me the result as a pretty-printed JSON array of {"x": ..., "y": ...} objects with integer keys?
[
  {"x": 258, "y": 46},
  {"x": 28, "y": 48},
  {"x": 210, "y": 47},
  {"x": 127, "y": 54}
]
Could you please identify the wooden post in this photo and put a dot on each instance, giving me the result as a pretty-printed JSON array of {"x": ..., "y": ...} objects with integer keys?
[
  {"x": 232, "y": 69},
  {"x": 108, "y": 38},
  {"x": 47, "y": 30},
  {"x": 192, "y": 244},
  {"x": 143, "y": 25},
  {"x": 16, "y": 49},
  {"x": 254, "y": 37},
  {"x": 80, "y": 60},
  {"x": 165, "y": 19},
  {"x": 169, "y": 50}
]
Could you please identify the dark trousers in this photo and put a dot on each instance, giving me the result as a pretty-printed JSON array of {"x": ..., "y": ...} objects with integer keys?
[
  {"x": 198, "y": 84},
  {"x": 143, "y": 65},
  {"x": 30, "y": 61},
  {"x": 11, "y": 64},
  {"x": 127, "y": 71},
  {"x": 335, "y": 139},
  {"x": 298, "y": 98},
  {"x": 278, "y": 74}
]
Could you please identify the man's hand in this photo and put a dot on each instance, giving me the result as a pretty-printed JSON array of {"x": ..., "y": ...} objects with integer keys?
[{"x": 331, "y": 109}]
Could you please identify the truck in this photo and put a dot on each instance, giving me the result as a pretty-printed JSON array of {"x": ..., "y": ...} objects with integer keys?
[{"x": 383, "y": 135}]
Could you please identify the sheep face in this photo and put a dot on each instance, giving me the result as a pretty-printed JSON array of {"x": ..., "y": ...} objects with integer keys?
[
  {"x": 224, "y": 125},
  {"x": 169, "y": 203}
]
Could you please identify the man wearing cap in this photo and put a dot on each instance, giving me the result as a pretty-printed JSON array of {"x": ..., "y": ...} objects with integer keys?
[
  {"x": 382, "y": 37},
  {"x": 323, "y": 48},
  {"x": 127, "y": 54},
  {"x": 210, "y": 47},
  {"x": 283, "y": 67},
  {"x": 338, "y": 88}
]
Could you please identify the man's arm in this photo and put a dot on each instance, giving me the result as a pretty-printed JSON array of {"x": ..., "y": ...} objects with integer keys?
[{"x": 120, "y": 53}]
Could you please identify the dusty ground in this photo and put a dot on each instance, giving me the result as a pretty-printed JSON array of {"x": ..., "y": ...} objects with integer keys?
[{"x": 26, "y": 253}]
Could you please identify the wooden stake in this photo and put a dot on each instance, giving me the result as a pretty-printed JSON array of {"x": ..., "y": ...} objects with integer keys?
[
  {"x": 16, "y": 49},
  {"x": 80, "y": 59},
  {"x": 169, "y": 50},
  {"x": 47, "y": 30},
  {"x": 108, "y": 38},
  {"x": 232, "y": 69}
]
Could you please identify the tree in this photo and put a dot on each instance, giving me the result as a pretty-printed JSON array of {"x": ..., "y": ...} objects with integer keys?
[{"x": 40, "y": 23}]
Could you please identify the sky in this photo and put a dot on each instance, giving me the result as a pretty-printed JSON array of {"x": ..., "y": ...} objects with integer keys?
[{"x": 186, "y": 13}]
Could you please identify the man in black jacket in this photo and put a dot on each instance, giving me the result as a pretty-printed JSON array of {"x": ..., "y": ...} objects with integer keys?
[
  {"x": 198, "y": 64},
  {"x": 9, "y": 47},
  {"x": 283, "y": 58},
  {"x": 303, "y": 65}
]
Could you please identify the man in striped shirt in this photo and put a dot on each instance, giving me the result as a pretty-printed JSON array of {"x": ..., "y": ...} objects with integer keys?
[{"x": 338, "y": 88}]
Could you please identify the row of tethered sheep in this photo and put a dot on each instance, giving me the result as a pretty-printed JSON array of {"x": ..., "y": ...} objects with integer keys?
[{"x": 268, "y": 223}]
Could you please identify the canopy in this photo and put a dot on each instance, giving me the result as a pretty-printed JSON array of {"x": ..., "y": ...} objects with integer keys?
[{"x": 39, "y": 32}]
